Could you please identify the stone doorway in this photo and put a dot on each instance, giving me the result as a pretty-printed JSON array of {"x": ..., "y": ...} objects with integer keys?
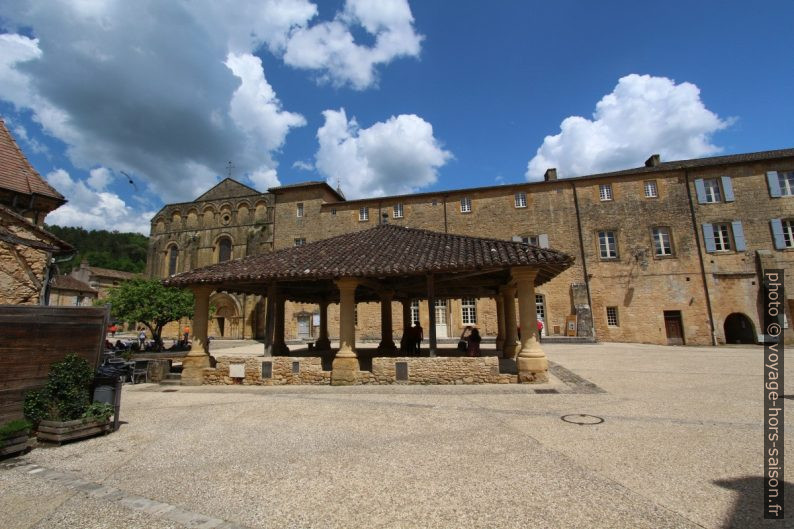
[
  {"x": 674, "y": 327},
  {"x": 739, "y": 329}
]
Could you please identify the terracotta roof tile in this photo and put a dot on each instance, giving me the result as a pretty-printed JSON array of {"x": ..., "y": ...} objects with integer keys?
[
  {"x": 16, "y": 173},
  {"x": 385, "y": 250},
  {"x": 108, "y": 272},
  {"x": 70, "y": 283}
]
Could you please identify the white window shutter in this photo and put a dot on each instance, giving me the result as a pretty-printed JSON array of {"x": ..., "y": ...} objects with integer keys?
[
  {"x": 777, "y": 234},
  {"x": 774, "y": 184},
  {"x": 727, "y": 188},
  {"x": 700, "y": 189},
  {"x": 738, "y": 236},
  {"x": 708, "y": 237},
  {"x": 543, "y": 240}
]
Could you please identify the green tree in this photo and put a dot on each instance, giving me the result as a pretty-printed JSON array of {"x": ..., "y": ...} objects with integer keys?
[{"x": 148, "y": 302}]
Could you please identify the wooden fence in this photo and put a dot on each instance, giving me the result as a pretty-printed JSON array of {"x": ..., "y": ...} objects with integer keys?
[{"x": 33, "y": 337}]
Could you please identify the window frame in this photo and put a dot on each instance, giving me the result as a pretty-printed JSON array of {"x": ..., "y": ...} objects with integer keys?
[
  {"x": 614, "y": 241},
  {"x": 414, "y": 312},
  {"x": 669, "y": 232},
  {"x": 727, "y": 240},
  {"x": 219, "y": 242},
  {"x": 299, "y": 211},
  {"x": 605, "y": 192},
  {"x": 468, "y": 311},
  {"x": 299, "y": 241},
  {"x": 172, "y": 259},
  {"x": 786, "y": 182},
  {"x": 363, "y": 214},
  {"x": 397, "y": 211},
  {"x": 520, "y": 199},
  {"x": 716, "y": 190},
  {"x": 613, "y": 317},
  {"x": 465, "y": 205},
  {"x": 655, "y": 187},
  {"x": 788, "y": 244}
]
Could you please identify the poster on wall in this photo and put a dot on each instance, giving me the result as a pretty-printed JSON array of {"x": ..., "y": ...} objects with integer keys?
[{"x": 570, "y": 325}]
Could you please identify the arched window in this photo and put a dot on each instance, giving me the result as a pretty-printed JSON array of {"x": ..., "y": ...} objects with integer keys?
[
  {"x": 224, "y": 249},
  {"x": 173, "y": 255}
]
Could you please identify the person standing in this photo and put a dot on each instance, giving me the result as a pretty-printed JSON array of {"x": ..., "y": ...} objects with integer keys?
[
  {"x": 187, "y": 333},
  {"x": 419, "y": 335},
  {"x": 473, "y": 340},
  {"x": 142, "y": 338}
]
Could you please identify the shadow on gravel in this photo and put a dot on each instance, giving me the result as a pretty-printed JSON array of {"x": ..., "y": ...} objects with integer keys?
[{"x": 748, "y": 509}]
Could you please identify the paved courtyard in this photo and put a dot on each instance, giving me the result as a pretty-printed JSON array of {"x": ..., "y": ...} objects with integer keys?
[{"x": 680, "y": 445}]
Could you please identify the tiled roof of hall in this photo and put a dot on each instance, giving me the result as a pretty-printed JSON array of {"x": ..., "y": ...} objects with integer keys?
[
  {"x": 16, "y": 173},
  {"x": 676, "y": 165},
  {"x": 385, "y": 250}
]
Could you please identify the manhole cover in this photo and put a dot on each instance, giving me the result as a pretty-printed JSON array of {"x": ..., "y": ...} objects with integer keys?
[
  {"x": 582, "y": 419},
  {"x": 169, "y": 390}
]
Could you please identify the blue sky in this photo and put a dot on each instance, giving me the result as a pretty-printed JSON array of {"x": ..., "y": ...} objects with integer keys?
[{"x": 384, "y": 97}]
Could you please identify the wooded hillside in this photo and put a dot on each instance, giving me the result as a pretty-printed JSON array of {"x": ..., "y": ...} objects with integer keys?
[{"x": 106, "y": 249}]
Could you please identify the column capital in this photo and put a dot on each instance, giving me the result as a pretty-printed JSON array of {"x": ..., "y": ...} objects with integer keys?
[
  {"x": 524, "y": 273},
  {"x": 506, "y": 290},
  {"x": 346, "y": 283},
  {"x": 201, "y": 289}
]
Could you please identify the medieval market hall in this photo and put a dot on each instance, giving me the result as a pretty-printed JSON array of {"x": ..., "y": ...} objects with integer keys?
[{"x": 669, "y": 253}]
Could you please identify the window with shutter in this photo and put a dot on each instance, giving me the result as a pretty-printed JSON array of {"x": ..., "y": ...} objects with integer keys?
[
  {"x": 727, "y": 188},
  {"x": 738, "y": 236},
  {"x": 708, "y": 237},
  {"x": 773, "y": 182}
]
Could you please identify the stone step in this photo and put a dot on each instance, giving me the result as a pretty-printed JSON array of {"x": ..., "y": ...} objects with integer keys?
[{"x": 568, "y": 339}]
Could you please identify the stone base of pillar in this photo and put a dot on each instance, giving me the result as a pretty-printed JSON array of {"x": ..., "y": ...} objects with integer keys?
[
  {"x": 534, "y": 370},
  {"x": 509, "y": 351},
  {"x": 193, "y": 369},
  {"x": 500, "y": 344},
  {"x": 322, "y": 344},
  {"x": 344, "y": 371},
  {"x": 387, "y": 347}
]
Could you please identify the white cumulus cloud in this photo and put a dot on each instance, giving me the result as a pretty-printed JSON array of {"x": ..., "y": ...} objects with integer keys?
[
  {"x": 92, "y": 209},
  {"x": 400, "y": 155},
  {"x": 331, "y": 48},
  {"x": 643, "y": 115}
]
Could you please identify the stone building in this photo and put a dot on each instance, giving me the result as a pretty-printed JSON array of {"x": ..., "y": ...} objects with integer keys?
[
  {"x": 27, "y": 250},
  {"x": 99, "y": 279},
  {"x": 668, "y": 253},
  {"x": 66, "y": 291}
]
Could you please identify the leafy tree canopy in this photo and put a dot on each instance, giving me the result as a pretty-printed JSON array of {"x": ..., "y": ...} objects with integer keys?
[
  {"x": 148, "y": 302},
  {"x": 106, "y": 249}
]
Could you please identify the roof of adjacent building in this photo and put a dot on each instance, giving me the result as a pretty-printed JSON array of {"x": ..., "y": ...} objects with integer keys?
[
  {"x": 308, "y": 184},
  {"x": 70, "y": 283},
  {"x": 676, "y": 165},
  {"x": 16, "y": 173},
  {"x": 108, "y": 272},
  {"x": 53, "y": 244},
  {"x": 381, "y": 252}
]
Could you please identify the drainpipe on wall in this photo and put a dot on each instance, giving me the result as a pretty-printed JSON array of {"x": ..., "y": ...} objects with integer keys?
[
  {"x": 700, "y": 258},
  {"x": 45, "y": 292},
  {"x": 581, "y": 251}
]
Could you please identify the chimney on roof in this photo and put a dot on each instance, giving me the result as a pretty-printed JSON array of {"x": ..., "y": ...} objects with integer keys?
[
  {"x": 550, "y": 174},
  {"x": 653, "y": 161}
]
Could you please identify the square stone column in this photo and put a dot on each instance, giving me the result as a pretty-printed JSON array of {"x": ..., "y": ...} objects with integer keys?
[
  {"x": 405, "y": 345},
  {"x": 386, "y": 345},
  {"x": 345, "y": 365},
  {"x": 511, "y": 337},
  {"x": 199, "y": 356},
  {"x": 323, "y": 343},
  {"x": 279, "y": 345},
  {"x": 500, "y": 322},
  {"x": 532, "y": 364}
]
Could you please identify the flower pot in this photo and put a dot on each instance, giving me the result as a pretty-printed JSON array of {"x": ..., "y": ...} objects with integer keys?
[
  {"x": 60, "y": 431},
  {"x": 16, "y": 444}
]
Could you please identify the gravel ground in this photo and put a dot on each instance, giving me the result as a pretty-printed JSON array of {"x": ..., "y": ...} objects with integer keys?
[{"x": 680, "y": 446}]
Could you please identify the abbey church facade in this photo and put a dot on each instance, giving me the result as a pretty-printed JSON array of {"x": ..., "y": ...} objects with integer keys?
[{"x": 668, "y": 253}]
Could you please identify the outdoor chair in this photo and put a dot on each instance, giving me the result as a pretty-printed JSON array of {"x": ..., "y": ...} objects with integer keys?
[{"x": 140, "y": 368}]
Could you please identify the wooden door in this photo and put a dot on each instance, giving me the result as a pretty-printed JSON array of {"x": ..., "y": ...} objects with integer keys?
[{"x": 674, "y": 327}]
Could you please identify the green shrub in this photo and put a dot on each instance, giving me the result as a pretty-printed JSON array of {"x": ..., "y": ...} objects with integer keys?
[
  {"x": 13, "y": 428},
  {"x": 98, "y": 411},
  {"x": 65, "y": 397}
]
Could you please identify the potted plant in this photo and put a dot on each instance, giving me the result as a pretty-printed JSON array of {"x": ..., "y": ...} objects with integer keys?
[
  {"x": 14, "y": 437},
  {"x": 62, "y": 409}
]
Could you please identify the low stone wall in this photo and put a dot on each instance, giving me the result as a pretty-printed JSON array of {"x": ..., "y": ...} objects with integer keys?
[
  {"x": 308, "y": 370},
  {"x": 438, "y": 370}
]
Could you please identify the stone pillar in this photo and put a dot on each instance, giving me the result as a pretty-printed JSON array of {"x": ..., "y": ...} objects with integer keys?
[
  {"x": 500, "y": 321},
  {"x": 386, "y": 345},
  {"x": 199, "y": 356},
  {"x": 270, "y": 319},
  {"x": 345, "y": 365},
  {"x": 405, "y": 345},
  {"x": 431, "y": 304},
  {"x": 279, "y": 345},
  {"x": 532, "y": 364},
  {"x": 509, "y": 300},
  {"x": 323, "y": 343}
]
